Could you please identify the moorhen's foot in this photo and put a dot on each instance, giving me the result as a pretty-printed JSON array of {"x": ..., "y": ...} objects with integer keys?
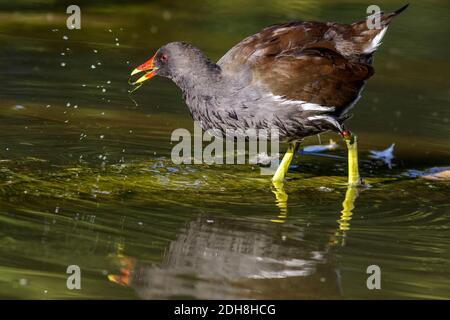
[
  {"x": 283, "y": 168},
  {"x": 351, "y": 140}
]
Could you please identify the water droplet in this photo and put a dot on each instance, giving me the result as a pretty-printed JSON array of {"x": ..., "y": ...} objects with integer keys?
[
  {"x": 65, "y": 37},
  {"x": 63, "y": 64},
  {"x": 93, "y": 66},
  {"x": 167, "y": 15}
]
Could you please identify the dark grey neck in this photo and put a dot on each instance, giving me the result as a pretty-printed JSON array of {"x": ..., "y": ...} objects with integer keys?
[{"x": 202, "y": 78}]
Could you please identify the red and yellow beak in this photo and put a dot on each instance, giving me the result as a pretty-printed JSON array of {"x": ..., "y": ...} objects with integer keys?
[
  {"x": 127, "y": 266},
  {"x": 147, "y": 67}
]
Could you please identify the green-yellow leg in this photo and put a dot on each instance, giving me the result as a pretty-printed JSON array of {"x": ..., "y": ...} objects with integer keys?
[
  {"x": 354, "y": 180},
  {"x": 353, "y": 171},
  {"x": 282, "y": 169}
]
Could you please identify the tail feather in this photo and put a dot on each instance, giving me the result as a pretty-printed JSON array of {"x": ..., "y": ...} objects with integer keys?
[
  {"x": 386, "y": 19},
  {"x": 370, "y": 38}
]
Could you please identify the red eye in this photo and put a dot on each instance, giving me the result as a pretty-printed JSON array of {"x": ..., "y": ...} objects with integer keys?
[{"x": 164, "y": 58}]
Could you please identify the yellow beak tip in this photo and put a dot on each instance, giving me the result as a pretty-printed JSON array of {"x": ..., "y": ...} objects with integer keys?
[
  {"x": 141, "y": 79},
  {"x": 135, "y": 71}
]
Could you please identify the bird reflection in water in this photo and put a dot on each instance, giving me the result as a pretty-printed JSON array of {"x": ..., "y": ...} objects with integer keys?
[
  {"x": 281, "y": 198},
  {"x": 347, "y": 211},
  {"x": 348, "y": 205},
  {"x": 228, "y": 258}
]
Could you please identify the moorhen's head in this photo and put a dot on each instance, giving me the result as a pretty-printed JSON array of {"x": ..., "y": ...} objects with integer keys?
[{"x": 177, "y": 61}]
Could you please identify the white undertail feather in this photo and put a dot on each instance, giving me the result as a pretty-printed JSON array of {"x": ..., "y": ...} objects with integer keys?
[{"x": 376, "y": 41}]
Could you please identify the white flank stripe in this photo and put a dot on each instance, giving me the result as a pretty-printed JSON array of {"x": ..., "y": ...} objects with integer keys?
[
  {"x": 306, "y": 106},
  {"x": 316, "y": 107}
]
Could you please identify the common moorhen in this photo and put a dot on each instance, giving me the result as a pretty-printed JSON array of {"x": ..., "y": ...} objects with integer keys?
[{"x": 302, "y": 78}]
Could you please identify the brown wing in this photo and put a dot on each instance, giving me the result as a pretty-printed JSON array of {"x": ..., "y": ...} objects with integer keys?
[
  {"x": 303, "y": 61},
  {"x": 271, "y": 41},
  {"x": 315, "y": 75}
]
